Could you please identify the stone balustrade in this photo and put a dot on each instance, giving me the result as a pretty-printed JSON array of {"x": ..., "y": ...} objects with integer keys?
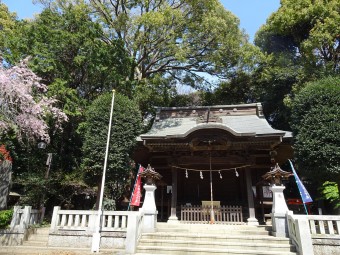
[
  {"x": 21, "y": 225},
  {"x": 315, "y": 234},
  {"x": 74, "y": 228}
]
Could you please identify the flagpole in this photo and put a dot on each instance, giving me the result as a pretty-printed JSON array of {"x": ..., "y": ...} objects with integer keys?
[
  {"x": 96, "y": 235},
  {"x": 134, "y": 186},
  {"x": 302, "y": 190}
]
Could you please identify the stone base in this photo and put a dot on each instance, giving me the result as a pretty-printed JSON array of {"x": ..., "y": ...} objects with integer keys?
[
  {"x": 173, "y": 220},
  {"x": 280, "y": 225},
  {"x": 252, "y": 222},
  {"x": 149, "y": 222}
]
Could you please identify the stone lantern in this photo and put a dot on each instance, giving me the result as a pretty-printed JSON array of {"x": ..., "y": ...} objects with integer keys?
[
  {"x": 150, "y": 175},
  {"x": 276, "y": 175},
  {"x": 149, "y": 206},
  {"x": 279, "y": 209}
]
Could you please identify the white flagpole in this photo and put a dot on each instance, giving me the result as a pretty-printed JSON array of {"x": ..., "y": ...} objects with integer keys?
[{"x": 96, "y": 234}]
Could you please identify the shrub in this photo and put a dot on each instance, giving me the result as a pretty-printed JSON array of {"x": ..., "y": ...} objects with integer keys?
[{"x": 5, "y": 218}]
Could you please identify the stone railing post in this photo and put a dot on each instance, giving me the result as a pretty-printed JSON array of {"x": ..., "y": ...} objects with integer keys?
[
  {"x": 25, "y": 218},
  {"x": 304, "y": 236},
  {"x": 42, "y": 215},
  {"x": 15, "y": 217},
  {"x": 132, "y": 234},
  {"x": 55, "y": 217},
  {"x": 92, "y": 222}
]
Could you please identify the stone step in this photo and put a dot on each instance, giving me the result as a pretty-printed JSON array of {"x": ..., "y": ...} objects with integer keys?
[
  {"x": 217, "y": 237},
  {"x": 218, "y": 244},
  {"x": 43, "y": 230},
  {"x": 35, "y": 243},
  {"x": 210, "y": 226},
  {"x": 204, "y": 251},
  {"x": 220, "y": 231},
  {"x": 215, "y": 228},
  {"x": 38, "y": 250},
  {"x": 38, "y": 237},
  {"x": 213, "y": 239}
]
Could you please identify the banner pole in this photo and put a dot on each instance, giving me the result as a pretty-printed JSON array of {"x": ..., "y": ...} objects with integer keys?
[
  {"x": 304, "y": 205},
  {"x": 305, "y": 197},
  {"x": 134, "y": 186}
]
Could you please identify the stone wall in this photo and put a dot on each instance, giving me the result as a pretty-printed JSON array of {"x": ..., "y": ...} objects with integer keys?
[
  {"x": 329, "y": 246},
  {"x": 13, "y": 238},
  {"x": 81, "y": 239}
]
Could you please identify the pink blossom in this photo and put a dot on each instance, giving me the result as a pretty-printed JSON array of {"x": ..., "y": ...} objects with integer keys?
[{"x": 24, "y": 105}]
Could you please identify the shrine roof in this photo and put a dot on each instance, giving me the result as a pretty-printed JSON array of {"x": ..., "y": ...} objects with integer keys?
[{"x": 239, "y": 120}]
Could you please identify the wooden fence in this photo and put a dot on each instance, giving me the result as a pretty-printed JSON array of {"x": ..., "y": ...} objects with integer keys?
[{"x": 202, "y": 214}]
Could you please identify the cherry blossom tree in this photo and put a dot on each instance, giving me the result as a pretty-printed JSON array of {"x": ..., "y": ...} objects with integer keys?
[{"x": 24, "y": 106}]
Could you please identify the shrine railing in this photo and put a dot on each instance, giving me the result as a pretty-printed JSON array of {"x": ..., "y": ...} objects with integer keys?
[
  {"x": 82, "y": 220},
  {"x": 26, "y": 217},
  {"x": 324, "y": 225},
  {"x": 314, "y": 234},
  {"x": 202, "y": 214},
  {"x": 75, "y": 228}
]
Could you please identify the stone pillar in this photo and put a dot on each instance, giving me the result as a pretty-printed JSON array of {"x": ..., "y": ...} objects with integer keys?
[
  {"x": 5, "y": 180},
  {"x": 252, "y": 219},
  {"x": 279, "y": 212},
  {"x": 149, "y": 209},
  {"x": 173, "y": 217}
]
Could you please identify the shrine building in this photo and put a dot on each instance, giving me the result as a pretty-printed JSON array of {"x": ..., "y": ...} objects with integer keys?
[{"x": 212, "y": 157}]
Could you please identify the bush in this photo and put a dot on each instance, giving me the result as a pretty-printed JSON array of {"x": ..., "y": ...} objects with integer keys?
[
  {"x": 316, "y": 127},
  {"x": 5, "y": 218}
]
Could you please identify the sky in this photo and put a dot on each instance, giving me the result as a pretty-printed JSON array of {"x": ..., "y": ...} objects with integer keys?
[{"x": 252, "y": 13}]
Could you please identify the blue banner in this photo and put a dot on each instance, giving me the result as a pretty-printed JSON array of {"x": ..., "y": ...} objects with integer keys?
[{"x": 306, "y": 198}]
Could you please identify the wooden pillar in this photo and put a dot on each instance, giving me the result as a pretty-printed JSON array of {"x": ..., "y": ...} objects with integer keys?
[
  {"x": 251, "y": 220},
  {"x": 173, "y": 217}
]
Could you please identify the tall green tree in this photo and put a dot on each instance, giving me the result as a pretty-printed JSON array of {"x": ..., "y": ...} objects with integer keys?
[
  {"x": 7, "y": 24},
  {"x": 314, "y": 28},
  {"x": 316, "y": 127},
  {"x": 67, "y": 49},
  {"x": 126, "y": 126},
  {"x": 176, "y": 38},
  {"x": 68, "y": 45},
  {"x": 302, "y": 44}
]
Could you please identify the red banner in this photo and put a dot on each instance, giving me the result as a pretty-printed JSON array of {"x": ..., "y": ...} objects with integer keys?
[{"x": 137, "y": 190}]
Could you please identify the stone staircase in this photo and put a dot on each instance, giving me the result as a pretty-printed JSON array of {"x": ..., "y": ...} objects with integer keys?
[
  {"x": 37, "y": 244},
  {"x": 213, "y": 239}
]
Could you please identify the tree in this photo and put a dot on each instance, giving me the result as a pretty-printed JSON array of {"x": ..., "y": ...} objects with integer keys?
[
  {"x": 314, "y": 28},
  {"x": 68, "y": 46},
  {"x": 67, "y": 50},
  {"x": 302, "y": 44},
  {"x": 177, "y": 38},
  {"x": 316, "y": 127},
  {"x": 126, "y": 125},
  {"x": 24, "y": 107},
  {"x": 7, "y": 23}
]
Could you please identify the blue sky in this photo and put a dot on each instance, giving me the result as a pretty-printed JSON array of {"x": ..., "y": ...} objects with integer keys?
[{"x": 252, "y": 13}]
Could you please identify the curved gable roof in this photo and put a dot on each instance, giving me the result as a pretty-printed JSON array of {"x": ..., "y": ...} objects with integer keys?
[{"x": 246, "y": 120}]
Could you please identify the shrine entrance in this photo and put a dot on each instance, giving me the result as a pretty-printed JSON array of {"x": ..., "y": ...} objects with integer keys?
[{"x": 211, "y": 159}]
